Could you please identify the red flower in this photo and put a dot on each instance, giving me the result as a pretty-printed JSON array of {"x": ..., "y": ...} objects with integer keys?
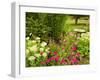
[
  {"x": 63, "y": 61},
  {"x": 57, "y": 58},
  {"x": 74, "y": 48},
  {"x": 55, "y": 53}
]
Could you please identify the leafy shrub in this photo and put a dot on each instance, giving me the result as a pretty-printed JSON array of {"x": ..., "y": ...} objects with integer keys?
[
  {"x": 36, "y": 51},
  {"x": 45, "y": 25},
  {"x": 84, "y": 45}
]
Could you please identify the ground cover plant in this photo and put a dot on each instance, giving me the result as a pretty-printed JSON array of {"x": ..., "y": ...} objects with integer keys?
[{"x": 57, "y": 39}]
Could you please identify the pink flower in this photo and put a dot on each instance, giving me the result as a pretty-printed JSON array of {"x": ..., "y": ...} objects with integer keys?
[
  {"x": 57, "y": 58},
  {"x": 55, "y": 53},
  {"x": 63, "y": 61},
  {"x": 77, "y": 54},
  {"x": 74, "y": 60},
  {"x": 63, "y": 49},
  {"x": 74, "y": 48},
  {"x": 48, "y": 60},
  {"x": 69, "y": 57},
  {"x": 52, "y": 58}
]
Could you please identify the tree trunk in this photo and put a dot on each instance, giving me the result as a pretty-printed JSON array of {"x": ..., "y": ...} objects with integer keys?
[{"x": 76, "y": 20}]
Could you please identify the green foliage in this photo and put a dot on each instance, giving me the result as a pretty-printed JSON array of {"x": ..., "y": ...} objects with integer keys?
[
  {"x": 83, "y": 44},
  {"x": 36, "y": 51},
  {"x": 45, "y": 25},
  {"x": 52, "y": 39}
]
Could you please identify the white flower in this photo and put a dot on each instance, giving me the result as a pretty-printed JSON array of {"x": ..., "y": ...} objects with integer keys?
[
  {"x": 47, "y": 50},
  {"x": 33, "y": 48},
  {"x": 44, "y": 54},
  {"x": 37, "y": 55},
  {"x": 79, "y": 30},
  {"x": 41, "y": 49},
  {"x": 37, "y": 38},
  {"x": 43, "y": 44},
  {"x": 27, "y": 51},
  {"x": 27, "y": 38},
  {"x": 30, "y": 34},
  {"x": 33, "y": 41},
  {"x": 31, "y": 58}
]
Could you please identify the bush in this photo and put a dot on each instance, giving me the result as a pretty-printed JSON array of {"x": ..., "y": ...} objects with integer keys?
[
  {"x": 36, "y": 51},
  {"x": 45, "y": 25},
  {"x": 84, "y": 46}
]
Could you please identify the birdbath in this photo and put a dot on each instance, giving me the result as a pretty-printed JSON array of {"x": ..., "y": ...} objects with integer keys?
[{"x": 79, "y": 32}]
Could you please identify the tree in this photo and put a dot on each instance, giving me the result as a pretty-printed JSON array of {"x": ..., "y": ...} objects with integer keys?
[{"x": 77, "y": 17}]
